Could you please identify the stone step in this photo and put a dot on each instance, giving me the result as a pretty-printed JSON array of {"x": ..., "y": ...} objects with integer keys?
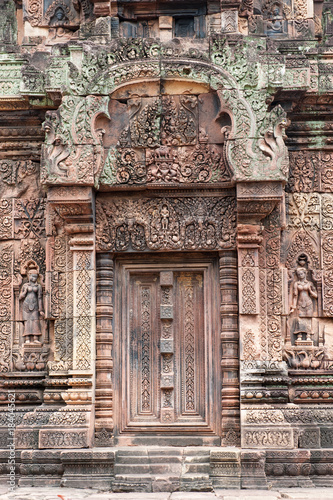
[
  {"x": 149, "y": 459},
  {"x": 133, "y": 452},
  {"x": 147, "y": 469},
  {"x": 196, "y": 482},
  {"x": 197, "y": 468},
  {"x": 132, "y": 482},
  {"x": 195, "y": 477},
  {"x": 135, "y": 469},
  {"x": 197, "y": 460}
]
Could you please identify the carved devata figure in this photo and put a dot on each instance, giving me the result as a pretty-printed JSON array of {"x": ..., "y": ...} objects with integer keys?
[
  {"x": 31, "y": 298},
  {"x": 303, "y": 348},
  {"x": 303, "y": 297}
]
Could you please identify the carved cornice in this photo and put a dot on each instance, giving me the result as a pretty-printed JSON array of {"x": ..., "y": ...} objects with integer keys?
[
  {"x": 75, "y": 206},
  {"x": 256, "y": 200}
]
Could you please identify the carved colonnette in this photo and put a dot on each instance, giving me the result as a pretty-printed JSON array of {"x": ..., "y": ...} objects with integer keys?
[{"x": 104, "y": 354}]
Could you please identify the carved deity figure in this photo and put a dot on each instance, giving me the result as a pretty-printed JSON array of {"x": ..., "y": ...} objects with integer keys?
[
  {"x": 303, "y": 296},
  {"x": 32, "y": 307},
  {"x": 59, "y": 18},
  {"x": 275, "y": 24}
]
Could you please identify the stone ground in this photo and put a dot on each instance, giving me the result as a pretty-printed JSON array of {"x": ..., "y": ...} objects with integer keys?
[{"x": 49, "y": 493}]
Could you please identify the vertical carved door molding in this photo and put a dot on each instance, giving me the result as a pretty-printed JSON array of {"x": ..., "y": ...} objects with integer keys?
[
  {"x": 104, "y": 355},
  {"x": 230, "y": 349}
]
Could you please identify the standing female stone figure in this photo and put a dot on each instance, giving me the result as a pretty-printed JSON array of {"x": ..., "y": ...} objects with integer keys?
[
  {"x": 302, "y": 302},
  {"x": 32, "y": 307}
]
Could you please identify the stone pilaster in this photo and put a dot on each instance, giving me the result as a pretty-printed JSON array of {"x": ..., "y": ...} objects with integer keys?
[{"x": 72, "y": 427}]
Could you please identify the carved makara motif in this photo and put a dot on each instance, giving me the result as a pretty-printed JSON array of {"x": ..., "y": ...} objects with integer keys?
[
  {"x": 166, "y": 223},
  {"x": 73, "y": 151},
  {"x": 31, "y": 360}
]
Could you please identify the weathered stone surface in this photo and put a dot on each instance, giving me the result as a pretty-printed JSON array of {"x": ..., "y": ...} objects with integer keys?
[{"x": 166, "y": 235}]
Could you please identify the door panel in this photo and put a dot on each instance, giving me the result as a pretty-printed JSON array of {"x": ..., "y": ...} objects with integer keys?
[{"x": 167, "y": 348}]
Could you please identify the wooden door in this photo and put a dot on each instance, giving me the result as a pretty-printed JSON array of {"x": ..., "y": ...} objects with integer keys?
[{"x": 168, "y": 349}]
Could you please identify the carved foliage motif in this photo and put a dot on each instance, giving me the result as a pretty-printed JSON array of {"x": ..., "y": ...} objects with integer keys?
[
  {"x": 249, "y": 347},
  {"x": 12, "y": 172},
  {"x": 33, "y": 12},
  {"x": 6, "y": 219},
  {"x": 271, "y": 290},
  {"x": 327, "y": 246},
  {"x": 61, "y": 302},
  {"x": 310, "y": 211},
  {"x": 166, "y": 223},
  {"x": 249, "y": 284},
  {"x": 274, "y": 438},
  {"x": 29, "y": 218},
  {"x": 250, "y": 150},
  {"x": 303, "y": 174},
  {"x": 202, "y": 163},
  {"x": 311, "y": 171},
  {"x": 189, "y": 343},
  {"x": 179, "y": 123},
  {"x": 146, "y": 348},
  {"x": 82, "y": 310},
  {"x": 304, "y": 211},
  {"x": 6, "y": 297}
]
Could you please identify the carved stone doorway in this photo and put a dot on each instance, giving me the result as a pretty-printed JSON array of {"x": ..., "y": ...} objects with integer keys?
[{"x": 167, "y": 351}]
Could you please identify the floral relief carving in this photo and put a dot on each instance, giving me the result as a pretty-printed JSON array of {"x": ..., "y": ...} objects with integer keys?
[
  {"x": 6, "y": 298},
  {"x": 82, "y": 312},
  {"x": 304, "y": 171}
]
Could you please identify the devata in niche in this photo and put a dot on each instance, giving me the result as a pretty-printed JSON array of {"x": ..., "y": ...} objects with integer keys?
[
  {"x": 31, "y": 296},
  {"x": 303, "y": 297}
]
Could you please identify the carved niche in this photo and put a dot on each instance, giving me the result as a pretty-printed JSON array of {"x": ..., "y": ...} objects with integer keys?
[
  {"x": 304, "y": 347},
  {"x": 30, "y": 349},
  {"x": 57, "y": 13}
]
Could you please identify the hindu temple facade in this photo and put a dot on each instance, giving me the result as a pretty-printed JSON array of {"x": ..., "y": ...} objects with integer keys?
[{"x": 166, "y": 243}]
